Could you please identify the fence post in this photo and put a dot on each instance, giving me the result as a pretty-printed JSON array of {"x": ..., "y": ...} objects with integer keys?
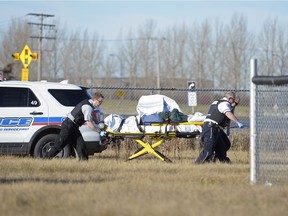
[{"x": 253, "y": 152}]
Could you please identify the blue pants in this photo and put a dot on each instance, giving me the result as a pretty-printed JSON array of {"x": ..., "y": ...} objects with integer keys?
[
  {"x": 69, "y": 134},
  {"x": 223, "y": 144},
  {"x": 213, "y": 140}
]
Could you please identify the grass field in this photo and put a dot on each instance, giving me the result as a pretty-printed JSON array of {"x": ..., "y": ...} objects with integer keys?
[{"x": 108, "y": 185}]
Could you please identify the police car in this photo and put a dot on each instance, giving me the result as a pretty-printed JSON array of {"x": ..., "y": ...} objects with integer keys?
[{"x": 31, "y": 114}]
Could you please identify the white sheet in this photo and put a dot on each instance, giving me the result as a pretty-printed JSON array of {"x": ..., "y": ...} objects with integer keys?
[
  {"x": 153, "y": 104},
  {"x": 113, "y": 122},
  {"x": 196, "y": 117}
]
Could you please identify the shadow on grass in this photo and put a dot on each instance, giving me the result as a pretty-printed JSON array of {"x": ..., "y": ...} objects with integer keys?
[{"x": 51, "y": 181}]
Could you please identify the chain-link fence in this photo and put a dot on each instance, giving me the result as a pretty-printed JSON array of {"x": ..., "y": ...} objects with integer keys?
[
  {"x": 269, "y": 123},
  {"x": 123, "y": 101}
]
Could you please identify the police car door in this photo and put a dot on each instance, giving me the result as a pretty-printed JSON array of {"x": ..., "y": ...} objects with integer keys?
[{"x": 19, "y": 106}]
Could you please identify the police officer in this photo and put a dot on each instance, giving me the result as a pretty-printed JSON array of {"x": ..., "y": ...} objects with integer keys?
[
  {"x": 213, "y": 129},
  {"x": 70, "y": 132},
  {"x": 223, "y": 137}
]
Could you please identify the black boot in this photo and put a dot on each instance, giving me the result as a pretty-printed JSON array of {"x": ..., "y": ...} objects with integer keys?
[{"x": 226, "y": 160}]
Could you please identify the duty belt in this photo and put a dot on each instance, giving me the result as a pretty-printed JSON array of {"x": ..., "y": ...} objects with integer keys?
[{"x": 211, "y": 124}]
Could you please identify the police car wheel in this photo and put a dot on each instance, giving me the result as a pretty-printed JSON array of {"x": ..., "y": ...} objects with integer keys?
[{"x": 45, "y": 143}]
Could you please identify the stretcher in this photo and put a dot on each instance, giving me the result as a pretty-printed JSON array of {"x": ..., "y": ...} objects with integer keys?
[{"x": 157, "y": 133}]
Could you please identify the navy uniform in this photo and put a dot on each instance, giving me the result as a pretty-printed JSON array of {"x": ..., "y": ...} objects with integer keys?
[
  {"x": 213, "y": 136},
  {"x": 223, "y": 138},
  {"x": 70, "y": 132}
]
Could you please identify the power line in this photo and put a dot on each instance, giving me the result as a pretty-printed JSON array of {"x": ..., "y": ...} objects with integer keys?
[{"x": 41, "y": 25}]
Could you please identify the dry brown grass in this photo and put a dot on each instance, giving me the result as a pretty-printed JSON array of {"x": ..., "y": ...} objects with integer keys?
[{"x": 108, "y": 185}]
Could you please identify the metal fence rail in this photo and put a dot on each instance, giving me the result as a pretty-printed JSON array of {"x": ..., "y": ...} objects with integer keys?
[{"x": 269, "y": 123}]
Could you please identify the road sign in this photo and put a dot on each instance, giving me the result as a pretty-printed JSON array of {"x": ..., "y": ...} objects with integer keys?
[
  {"x": 25, "y": 56},
  {"x": 120, "y": 93},
  {"x": 191, "y": 85},
  {"x": 192, "y": 96}
]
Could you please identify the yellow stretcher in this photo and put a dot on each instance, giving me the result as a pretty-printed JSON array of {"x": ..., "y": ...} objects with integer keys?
[{"x": 157, "y": 137}]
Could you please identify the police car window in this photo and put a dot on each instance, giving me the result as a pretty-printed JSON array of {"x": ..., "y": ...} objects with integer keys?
[
  {"x": 69, "y": 97},
  {"x": 17, "y": 97}
]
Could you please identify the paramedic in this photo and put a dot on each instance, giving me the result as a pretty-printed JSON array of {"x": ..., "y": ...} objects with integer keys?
[
  {"x": 213, "y": 128},
  {"x": 70, "y": 127}
]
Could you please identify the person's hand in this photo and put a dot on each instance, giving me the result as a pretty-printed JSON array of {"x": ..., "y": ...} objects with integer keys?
[
  {"x": 240, "y": 125},
  {"x": 103, "y": 133},
  {"x": 228, "y": 131},
  {"x": 101, "y": 125}
]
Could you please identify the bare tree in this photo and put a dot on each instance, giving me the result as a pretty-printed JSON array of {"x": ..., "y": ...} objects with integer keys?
[
  {"x": 130, "y": 53},
  {"x": 217, "y": 55},
  {"x": 52, "y": 55},
  {"x": 148, "y": 52},
  {"x": 82, "y": 57},
  {"x": 13, "y": 41},
  {"x": 174, "y": 54},
  {"x": 199, "y": 43},
  {"x": 239, "y": 41},
  {"x": 213, "y": 54},
  {"x": 273, "y": 44}
]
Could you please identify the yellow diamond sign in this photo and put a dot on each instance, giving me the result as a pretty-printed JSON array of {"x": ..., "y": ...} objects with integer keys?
[
  {"x": 120, "y": 93},
  {"x": 25, "y": 56}
]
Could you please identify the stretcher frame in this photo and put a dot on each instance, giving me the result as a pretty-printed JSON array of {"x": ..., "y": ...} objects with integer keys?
[{"x": 157, "y": 138}]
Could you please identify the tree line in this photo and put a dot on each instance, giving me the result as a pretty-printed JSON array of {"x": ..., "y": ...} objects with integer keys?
[{"x": 212, "y": 53}]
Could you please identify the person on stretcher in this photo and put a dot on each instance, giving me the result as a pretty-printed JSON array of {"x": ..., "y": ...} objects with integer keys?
[{"x": 153, "y": 109}]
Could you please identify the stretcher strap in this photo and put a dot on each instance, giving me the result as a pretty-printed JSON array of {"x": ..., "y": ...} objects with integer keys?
[{"x": 121, "y": 124}]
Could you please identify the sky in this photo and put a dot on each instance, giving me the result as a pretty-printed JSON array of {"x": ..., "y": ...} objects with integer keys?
[{"x": 108, "y": 18}]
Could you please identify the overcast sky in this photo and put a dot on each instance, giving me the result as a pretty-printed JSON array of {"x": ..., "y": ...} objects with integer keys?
[{"x": 107, "y": 18}]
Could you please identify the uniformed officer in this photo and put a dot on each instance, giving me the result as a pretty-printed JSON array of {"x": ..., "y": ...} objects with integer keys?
[
  {"x": 221, "y": 113},
  {"x": 70, "y": 132}
]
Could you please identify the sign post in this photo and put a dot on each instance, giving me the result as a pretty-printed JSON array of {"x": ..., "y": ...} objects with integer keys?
[
  {"x": 192, "y": 96},
  {"x": 26, "y": 56},
  {"x": 25, "y": 74}
]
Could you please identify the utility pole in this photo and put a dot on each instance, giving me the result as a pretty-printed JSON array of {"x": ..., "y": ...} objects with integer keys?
[
  {"x": 121, "y": 67},
  {"x": 158, "y": 77},
  {"x": 40, "y": 37}
]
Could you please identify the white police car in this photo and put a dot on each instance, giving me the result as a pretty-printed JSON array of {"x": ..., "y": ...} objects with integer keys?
[{"x": 31, "y": 114}]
